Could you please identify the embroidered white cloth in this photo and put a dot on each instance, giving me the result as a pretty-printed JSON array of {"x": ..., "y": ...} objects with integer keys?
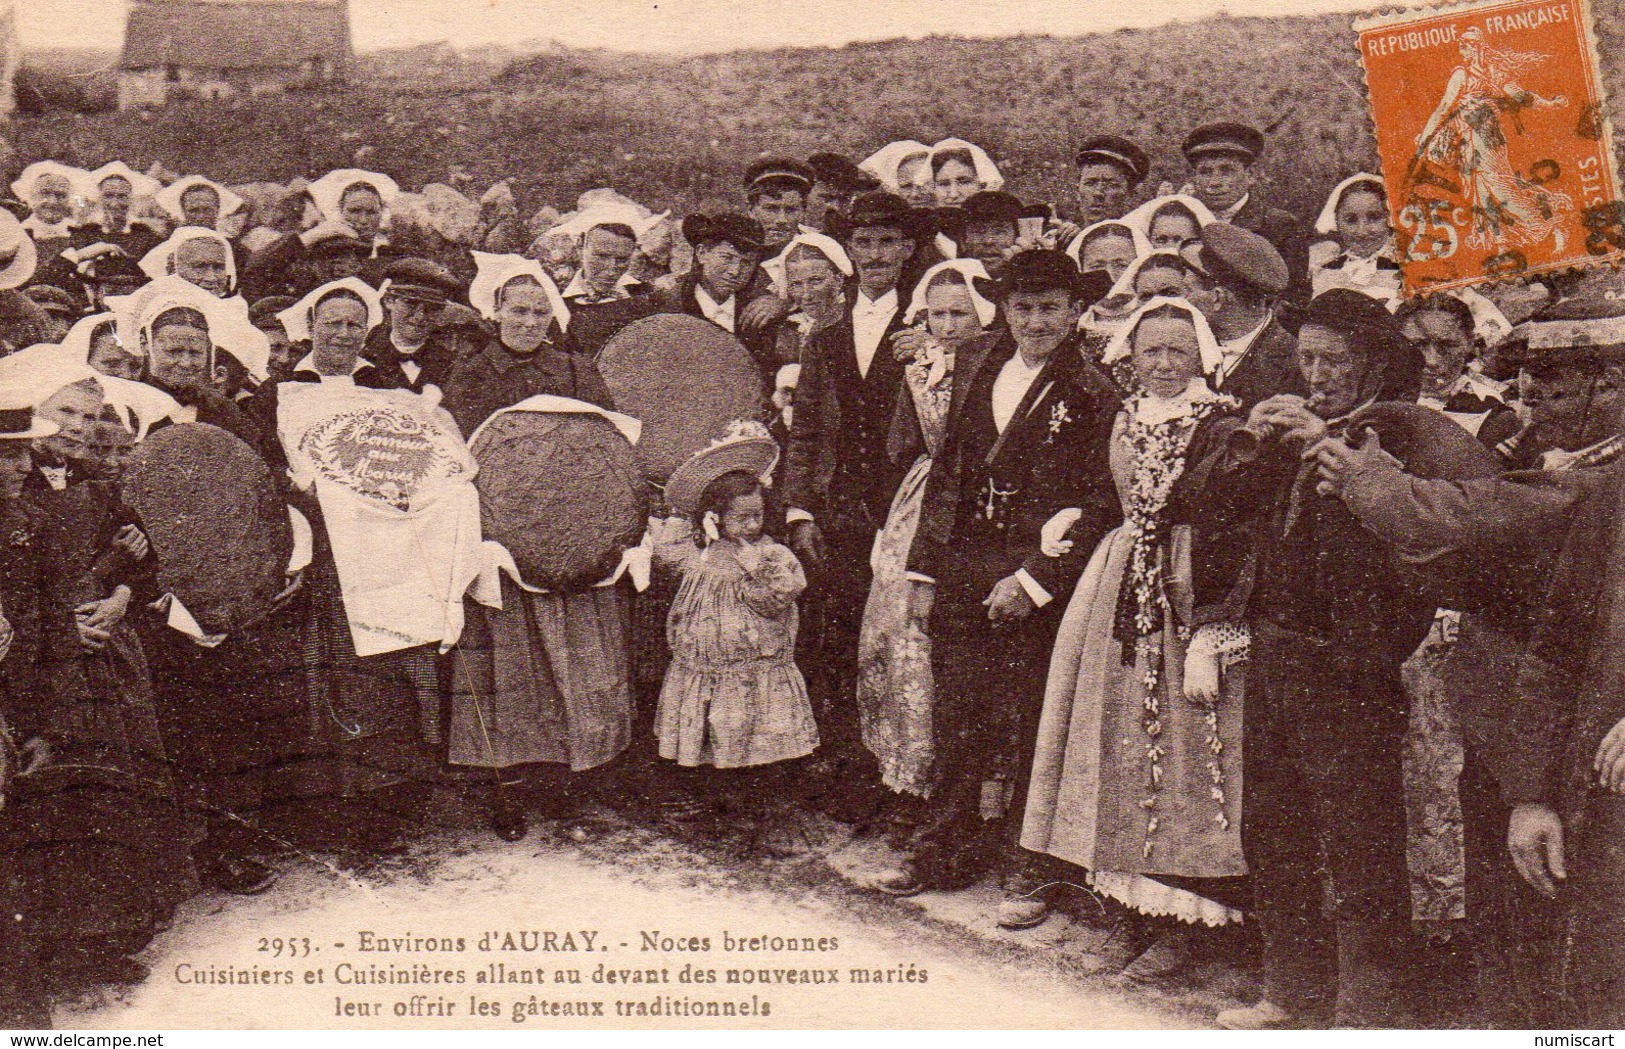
[{"x": 396, "y": 488}]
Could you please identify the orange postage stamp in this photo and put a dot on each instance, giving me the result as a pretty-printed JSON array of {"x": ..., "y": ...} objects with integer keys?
[{"x": 1494, "y": 140}]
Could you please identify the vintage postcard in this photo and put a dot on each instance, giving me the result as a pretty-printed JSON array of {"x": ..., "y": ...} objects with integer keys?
[{"x": 534, "y": 516}]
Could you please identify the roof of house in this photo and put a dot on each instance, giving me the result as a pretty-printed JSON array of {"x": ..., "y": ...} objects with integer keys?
[{"x": 235, "y": 34}]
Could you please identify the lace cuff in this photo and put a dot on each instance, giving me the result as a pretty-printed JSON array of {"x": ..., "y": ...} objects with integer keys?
[{"x": 1229, "y": 643}]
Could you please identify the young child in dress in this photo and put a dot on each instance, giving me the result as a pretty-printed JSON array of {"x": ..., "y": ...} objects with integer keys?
[{"x": 733, "y": 697}]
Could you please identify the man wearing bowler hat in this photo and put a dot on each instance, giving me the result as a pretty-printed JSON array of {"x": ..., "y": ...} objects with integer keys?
[
  {"x": 839, "y": 480},
  {"x": 1222, "y": 157},
  {"x": 991, "y": 221},
  {"x": 1028, "y": 426},
  {"x": 410, "y": 351},
  {"x": 1239, "y": 280},
  {"x": 836, "y": 180}
]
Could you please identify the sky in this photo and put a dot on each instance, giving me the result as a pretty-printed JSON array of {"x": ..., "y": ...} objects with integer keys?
[{"x": 688, "y": 25}]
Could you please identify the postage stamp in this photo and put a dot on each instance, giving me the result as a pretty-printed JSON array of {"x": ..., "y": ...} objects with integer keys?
[{"x": 1494, "y": 140}]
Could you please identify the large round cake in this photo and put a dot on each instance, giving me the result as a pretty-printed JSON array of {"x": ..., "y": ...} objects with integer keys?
[
  {"x": 685, "y": 379},
  {"x": 562, "y": 491},
  {"x": 218, "y": 525}
]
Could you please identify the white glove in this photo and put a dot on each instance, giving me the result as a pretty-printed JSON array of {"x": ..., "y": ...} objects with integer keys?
[
  {"x": 1202, "y": 671},
  {"x": 1053, "y": 535}
]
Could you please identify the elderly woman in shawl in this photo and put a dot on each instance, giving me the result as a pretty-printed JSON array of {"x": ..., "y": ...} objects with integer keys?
[
  {"x": 54, "y": 193},
  {"x": 196, "y": 201},
  {"x": 110, "y": 857},
  {"x": 230, "y": 713},
  {"x": 197, "y": 254},
  {"x": 199, "y": 349},
  {"x": 543, "y": 685},
  {"x": 895, "y": 687},
  {"x": 1136, "y": 777},
  {"x": 105, "y": 251}
]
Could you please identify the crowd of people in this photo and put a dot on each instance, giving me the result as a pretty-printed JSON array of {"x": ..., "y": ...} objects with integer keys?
[{"x": 1162, "y": 550}]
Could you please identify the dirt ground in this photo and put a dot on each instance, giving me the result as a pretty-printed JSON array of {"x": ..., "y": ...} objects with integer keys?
[{"x": 641, "y": 916}]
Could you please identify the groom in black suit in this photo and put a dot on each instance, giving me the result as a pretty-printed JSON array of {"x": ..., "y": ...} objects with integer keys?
[
  {"x": 839, "y": 479},
  {"x": 1028, "y": 429}
]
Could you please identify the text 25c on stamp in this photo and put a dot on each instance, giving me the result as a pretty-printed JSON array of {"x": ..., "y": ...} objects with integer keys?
[{"x": 1494, "y": 140}]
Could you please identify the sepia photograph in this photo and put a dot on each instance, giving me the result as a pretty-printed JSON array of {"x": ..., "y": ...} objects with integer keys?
[{"x": 856, "y": 515}]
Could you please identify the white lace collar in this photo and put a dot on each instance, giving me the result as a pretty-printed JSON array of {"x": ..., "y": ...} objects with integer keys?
[{"x": 1149, "y": 410}]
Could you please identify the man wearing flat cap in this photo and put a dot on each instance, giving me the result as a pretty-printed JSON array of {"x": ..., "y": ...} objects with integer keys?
[
  {"x": 839, "y": 479},
  {"x": 836, "y": 180},
  {"x": 1027, "y": 433},
  {"x": 1240, "y": 278},
  {"x": 1110, "y": 169},
  {"x": 1221, "y": 156},
  {"x": 777, "y": 189},
  {"x": 990, "y": 228},
  {"x": 1536, "y": 672},
  {"x": 410, "y": 351}
]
